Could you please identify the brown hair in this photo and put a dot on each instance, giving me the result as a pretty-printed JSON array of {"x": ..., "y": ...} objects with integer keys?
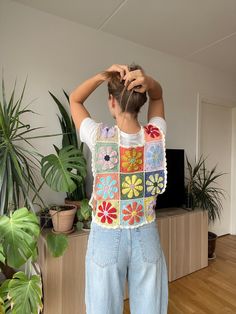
[{"x": 129, "y": 100}]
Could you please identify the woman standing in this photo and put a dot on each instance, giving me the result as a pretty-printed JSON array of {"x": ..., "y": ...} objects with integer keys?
[{"x": 129, "y": 169}]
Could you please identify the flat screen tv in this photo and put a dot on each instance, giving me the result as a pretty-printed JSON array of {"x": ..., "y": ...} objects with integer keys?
[{"x": 174, "y": 195}]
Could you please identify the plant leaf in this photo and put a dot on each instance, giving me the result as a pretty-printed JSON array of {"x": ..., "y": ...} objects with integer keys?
[
  {"x": 19, "y": 234},
  {"x": 57, "y": 244}
]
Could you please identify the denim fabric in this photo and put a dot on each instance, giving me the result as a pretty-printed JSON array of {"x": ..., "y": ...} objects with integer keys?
[{"x": 135, "y": 253}]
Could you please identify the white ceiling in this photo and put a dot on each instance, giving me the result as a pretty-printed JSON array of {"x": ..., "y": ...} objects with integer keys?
[{"x": 202, "y": 31}]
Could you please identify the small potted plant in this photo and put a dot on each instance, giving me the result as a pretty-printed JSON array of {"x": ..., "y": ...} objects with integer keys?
[
  {"x": 45, "y": 218},
  {"x": 84, "y": 215},
  {"x": 63, "y": 218},
  {"x": 70, "y": 138},
  {"x": 60, "y": 173},
  {"x": 203, "y": 193}
]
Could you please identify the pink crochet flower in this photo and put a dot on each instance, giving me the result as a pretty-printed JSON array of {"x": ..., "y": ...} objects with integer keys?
[{"x": 107, "y": 157}]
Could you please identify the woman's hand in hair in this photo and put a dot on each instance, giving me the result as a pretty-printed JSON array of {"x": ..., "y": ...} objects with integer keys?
[
  {"x": 137, "y": 80},
  {"x": 122, "y": 69}
]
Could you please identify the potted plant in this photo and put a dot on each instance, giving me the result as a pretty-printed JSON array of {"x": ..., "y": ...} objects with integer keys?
[
  {"x": 70, "y": 138},
  {"x": 45, "y": 218},
  {"x": 61, "y": 172},
  {"x": 19, "y": 228},
  {"x": 201, "y": 189},
  {"x": 84, "y": 216}
]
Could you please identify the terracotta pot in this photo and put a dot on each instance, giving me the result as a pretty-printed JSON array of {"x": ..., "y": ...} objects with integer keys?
[
  {"x": 63, "y": 220},
  {"x": 77, "y": 204},
  {"x": 211, "y": 244}
]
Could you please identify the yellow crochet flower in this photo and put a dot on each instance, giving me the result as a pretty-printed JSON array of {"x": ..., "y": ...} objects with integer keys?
[
  {"x": 131, "y": 160},
  {"x": 132, "y": 185},
  {"x": 154, "y": 184}
]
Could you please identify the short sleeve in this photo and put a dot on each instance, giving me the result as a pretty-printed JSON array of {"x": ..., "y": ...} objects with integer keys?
[
  {"x": 159, "y": 122},
  {"x": 87, "y": 131}
]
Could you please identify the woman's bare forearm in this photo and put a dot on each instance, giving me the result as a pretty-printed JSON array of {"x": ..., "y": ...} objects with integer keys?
[
  {"x": 154, "y": 89},
  {"x": 81, "y": 93}
]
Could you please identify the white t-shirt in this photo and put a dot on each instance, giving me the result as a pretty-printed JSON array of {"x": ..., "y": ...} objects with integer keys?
[{"x": 89, "y": 126}]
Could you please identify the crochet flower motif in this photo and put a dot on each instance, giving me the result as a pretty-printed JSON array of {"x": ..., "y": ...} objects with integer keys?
[
  {"x": 152, "y": 130},
  {"x": 154, "y": 183},
  {"x": 131, "y": 160},
  {"x": 107, "y": 157},
  {"x": 106, "y": 212},
  {"x": 133, "y": 212},
  {"x": 107, "y": 132},
  {"x": 154, "y": 156},
  {"x": 106, "y": 188},
  {"x": 132, "y": 185}
]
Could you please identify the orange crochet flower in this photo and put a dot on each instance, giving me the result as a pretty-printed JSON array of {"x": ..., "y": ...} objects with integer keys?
[
  {"x": 131, "y": 159},
  {"x": 133, "y": 212}
]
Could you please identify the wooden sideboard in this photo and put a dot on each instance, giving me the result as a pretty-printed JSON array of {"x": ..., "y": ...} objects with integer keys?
[{"x": 184, "y": 239}]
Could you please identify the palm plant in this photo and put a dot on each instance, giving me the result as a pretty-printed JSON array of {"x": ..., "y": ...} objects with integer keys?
[
  {"x": 17, "y": 162},
  {"x": 200, "y": 189},
  {"x": 70, "y": 139}
]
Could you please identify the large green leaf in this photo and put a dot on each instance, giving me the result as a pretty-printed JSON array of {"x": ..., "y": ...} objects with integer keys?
[
  {"x": 85, "y": 209},
  {"x": 57, "y": 244},
  {"x": 18, "y": 235},
  {"x": 66, "y": 122},
  {"x": 59, "y": 170},
  {"x": 22, "y": 295}
]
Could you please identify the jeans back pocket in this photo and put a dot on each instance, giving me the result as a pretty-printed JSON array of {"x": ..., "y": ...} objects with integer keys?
[
  {"x": 150, "y": 243},
  {"x": 105, "y": 245}
]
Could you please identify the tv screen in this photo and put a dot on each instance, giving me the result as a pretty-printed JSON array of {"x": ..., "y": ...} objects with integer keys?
[{"x": 174, "y": 195}]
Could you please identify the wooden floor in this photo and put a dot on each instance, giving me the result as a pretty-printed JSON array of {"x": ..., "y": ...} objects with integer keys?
[{"x": 211, "y": 290}]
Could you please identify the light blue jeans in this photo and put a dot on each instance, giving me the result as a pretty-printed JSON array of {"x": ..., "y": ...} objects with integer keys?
[{"x": 114, "y": 254}]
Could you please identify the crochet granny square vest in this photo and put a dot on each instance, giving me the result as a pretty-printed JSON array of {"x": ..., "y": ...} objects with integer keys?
[{"x": 127, "y": 179}]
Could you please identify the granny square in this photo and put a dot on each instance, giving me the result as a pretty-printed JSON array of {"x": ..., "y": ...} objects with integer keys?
[
  {"x": 154, "y": 182},
  {"x": 107, "y": 157},
  {"x": 154, "y": 156},
  {"x": 132, "y": 212},
  {"x": 107, "y": 186},
  {"x": 131, "y": 159},
  {"x": 131, "y": 185},
  {"x": 152, "y": 133},
  {"x": 149, "y": 207},
  {"x": 107, "y": 213},
  {"x": 107, "y": 133}
]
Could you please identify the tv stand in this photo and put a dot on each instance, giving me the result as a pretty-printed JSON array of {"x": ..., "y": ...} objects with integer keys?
[{"x": 184, "y": 240}]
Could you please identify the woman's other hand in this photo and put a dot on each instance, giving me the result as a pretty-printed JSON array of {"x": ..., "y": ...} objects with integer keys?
[
  {"x": 137, "y": 80},
  {"x": 122, "y": 69}
]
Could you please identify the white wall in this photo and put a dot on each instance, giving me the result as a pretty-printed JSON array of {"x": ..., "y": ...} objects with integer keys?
[
  {"x": 56, "y": 54},
  {"x": 233, "y": 181}
]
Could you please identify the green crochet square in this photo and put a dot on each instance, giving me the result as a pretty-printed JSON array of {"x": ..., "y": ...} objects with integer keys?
[{"x": 106, "y": 157}]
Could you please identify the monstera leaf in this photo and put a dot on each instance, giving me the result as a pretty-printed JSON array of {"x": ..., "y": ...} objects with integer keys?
[
  {"x": 62, "y": 171},
  {"x": 22, "y": 294},
  {"x": 57, "y": 244},
  {"x": 18, "y": 235}
]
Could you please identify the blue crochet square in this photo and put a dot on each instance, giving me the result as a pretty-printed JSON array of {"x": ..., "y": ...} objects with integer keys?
[
  {"x": 132, "y": 212},
  {"x": 154, "y": 182}
]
